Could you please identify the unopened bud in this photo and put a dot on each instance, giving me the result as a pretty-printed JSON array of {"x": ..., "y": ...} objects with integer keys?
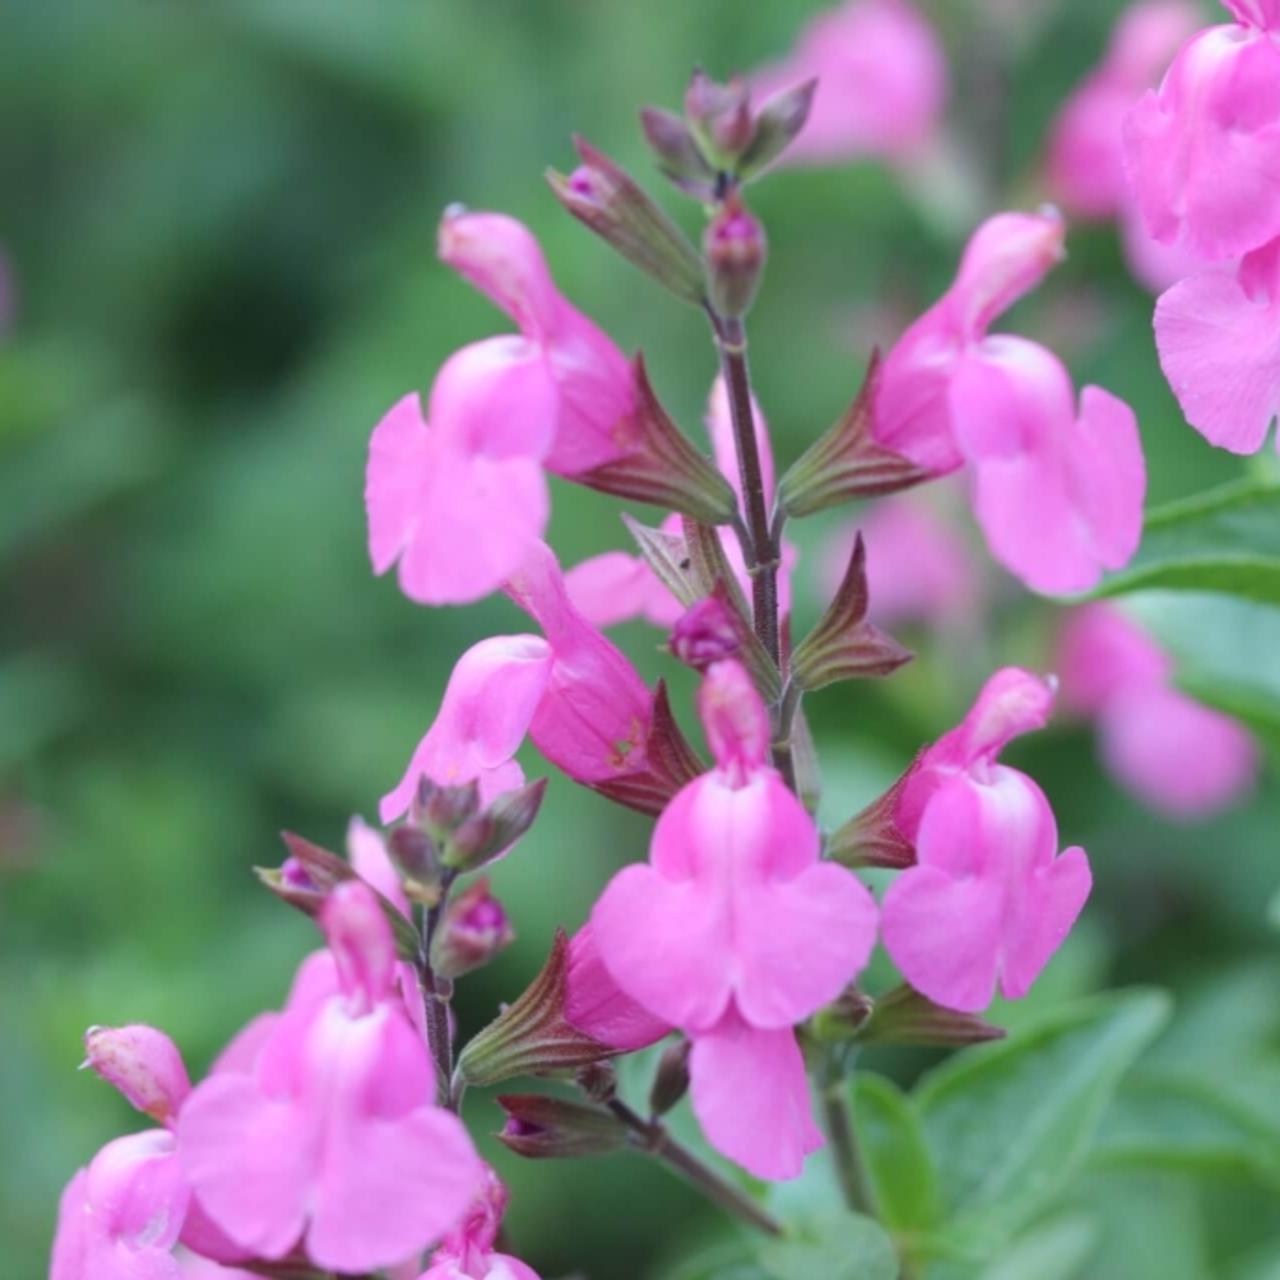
[
  {"x": 475, "y": 928},
  {"x": 490, "y": 834},
  {"x": 720, "y": 117},
  {"x": 735, "y": 249},
  {"x": 544, "y": 1128},
  {"x": 438, "y": 810},
  {"x": 779, "y": 121},
  {"x": 844, "y": 1017},
  {"x": 144, "y": 1064},
  {"x": 598, "y": 1080},
  {"x": 906, "y": 1017},
  {"x": 414, "y": 853},
  {"x": 604, "y": 197},
  {"x": 671, "y": 1080},
  {"x": 705, "y": 633},
  {"x": 677, "y": 153}
]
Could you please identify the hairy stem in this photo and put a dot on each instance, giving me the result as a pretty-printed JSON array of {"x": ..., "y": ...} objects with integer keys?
[
  {"x": 851, "y": 1169},
  {"x": 761, "y": 552},
  {"x": 653, "y": 1137},
  {"x": 435, "y": 1003}
]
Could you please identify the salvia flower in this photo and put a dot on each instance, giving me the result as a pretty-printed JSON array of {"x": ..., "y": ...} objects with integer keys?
[
  {"x": 333, "y": 1138},
  {"x": 882, "y": 82},
  {"x": 735, "y": 931},
  {"x": 1057, "y": 491},
  {"x": 468, "y": 1251},
  {"x": 1179, "y": 757},
  {"x": 990, "y": 899},
  {"x": 144, "y": 1064},
  {"x": 1203, "y": 150}
]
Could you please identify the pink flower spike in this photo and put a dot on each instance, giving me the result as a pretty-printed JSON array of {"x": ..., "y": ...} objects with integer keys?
[
  {"x": 457, "y": 520},
  {"x": 750, "y": 1093},
  {"x": 882, "y": 82},
  {"x": 593, "y": 719},
  {"x": 333, "y": 1140},
  {"x": 989, "y": 899},
  {"x": 1218, "y": 335},
  {"x": 1180, "y": 758},
  {"x": 144, "y": 1064},
  {"x": 1058, "y": 495},
  {"x": 487, "y": 708},
  {"x": 119, "y": 1219},
  {"x": 598, "y": 1007},
  {"x": 1203, "y": 151}
]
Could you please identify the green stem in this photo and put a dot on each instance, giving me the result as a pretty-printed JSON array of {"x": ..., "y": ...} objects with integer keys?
[
  {"x": 851, "y": 1169},
  {"x": 436, "y": 1005},
  {"x": 653, "y": 1137}
]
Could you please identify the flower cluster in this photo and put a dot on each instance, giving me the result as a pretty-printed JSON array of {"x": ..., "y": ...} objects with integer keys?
[{"x": 329, "y": 1135}]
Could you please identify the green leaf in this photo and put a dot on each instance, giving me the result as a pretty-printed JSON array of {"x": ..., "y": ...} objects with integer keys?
[
  {"x": 1226, "y": 540},
  {"x": 1184, "y": 1122},
  {"x": 897, "y": 1155},
  {"x": 1054, "y": 1250},
  {"x": 1009, "y": 1124},
  {"x": 732, "y": 1260},
  {"x": 847, "y": 1247}
]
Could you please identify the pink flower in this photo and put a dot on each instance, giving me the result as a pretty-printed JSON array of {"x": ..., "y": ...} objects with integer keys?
[
  {"x": 143, "y": 1064},
  {"x": 989, "y": 899},
  {"x": 882, "y": 82},
  {"x": 735, "y": 931},
  {"x": 1218, "y": 335},
  {"x": 1203, "y": 151},
  {"x": 598, "y": 1007},
  {"x": 1179, "y": 757},
  {"x": 593, "y": 385},
  {"x": 1058, "y": 493},
  {"x": 488, "y": 703},
  {"x": 334, "y": 1139},
  {"x": 120, "y": 1218},
  {"x": 1086, "y": 150},
  {"x": 593, "y": 717},
  {"x": 467, "y": 1252},
  {"x": 457, "y": 496}
]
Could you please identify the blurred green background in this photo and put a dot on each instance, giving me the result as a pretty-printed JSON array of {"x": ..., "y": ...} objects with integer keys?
[{"x": 219, "y": 217}]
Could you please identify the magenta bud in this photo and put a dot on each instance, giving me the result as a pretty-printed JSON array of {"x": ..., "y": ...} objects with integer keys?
[
  {"x": 491, "y": 833},
  {"x": 540, "y": 1127},
  {"x": 438, "y": 810},
  {"x": 143, "y": 1064},
  {"x": 706, "y": 632},
  {"x": 735, "y": 250},
  {"x": 475, "y": 928},
  {"x": 414, "y": 853}
]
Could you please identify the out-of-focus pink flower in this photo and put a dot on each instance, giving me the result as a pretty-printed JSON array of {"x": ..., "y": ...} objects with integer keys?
[
  {"x": 120, "y": 1218},
  {"x": 1058, "y": 493},
  {"x": 194, "y": 1267},
  {"x": 143, "y": 1064},
  {"x": 334, "y": 1139},
  {"x": 467, "y": 1252},
  {"x": 367, "y": 853},
  {"x": 1179, "y": 757},
  {"x": 593, "y": 717},
  {"x": 598, "y": 1007},
  {"x": 488, "y": 703},
  {"x": 1218, "y": 335},
  {"x": 1203, "y": 151},
  {"x": 989, "y": 899},
  {"x": 456, "y": 496},
  {"x": 706, "y": 936},
  {"x": 1153, "y": 265},
  {"x": 1086, "y": 149},
  {"x": 882, "y": 82},
  {"x": 919, "y": 569}
]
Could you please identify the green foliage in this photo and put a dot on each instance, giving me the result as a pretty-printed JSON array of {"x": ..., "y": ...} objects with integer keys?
[{"x": 846, "y": 1247}]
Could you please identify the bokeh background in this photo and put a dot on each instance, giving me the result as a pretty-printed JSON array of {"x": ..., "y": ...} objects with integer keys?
[{"x": 218, "y": 219}]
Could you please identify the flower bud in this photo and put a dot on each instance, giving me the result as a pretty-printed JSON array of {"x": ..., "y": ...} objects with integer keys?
[
  {"x": 606, "y": 199},
  {"x": 143, "y": 1064},
  {"x": 707, "y": 632},
  {"x": 438, "y": 809},
  {"x": 671, "y": 1080},
  {"x": 906, "y": 1017},
  {"x": 475, "y": 928},
  {"x": 541, "y": 1127},
  {"x": 735, "y": 250},
  {"x": 490, "y": 834},
  {"x": 414, "y": 853},
  {"x": 843, "y": 1018},
  {"x": 677, "y": 153},
  {"x": 598, "y": 1080},
  {"x": 720, "y": 117},
  {"x": 779, "y": 121}
]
